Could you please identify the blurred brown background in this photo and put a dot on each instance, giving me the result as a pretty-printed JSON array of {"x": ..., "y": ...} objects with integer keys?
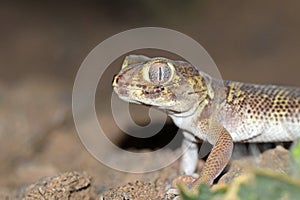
[
  {"x": 253, "y": 41},
  {"x": 42, "y": 45}
]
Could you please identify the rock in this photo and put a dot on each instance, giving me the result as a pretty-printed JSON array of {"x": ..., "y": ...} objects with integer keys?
[
  {"x": 277, "y": 159},
  {"x": 69, "y": 185},
  {"x": 137, "y": 190}
]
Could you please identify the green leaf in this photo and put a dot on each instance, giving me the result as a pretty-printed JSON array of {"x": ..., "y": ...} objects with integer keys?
[
  {"x": 203, "y": 193},
  {"x": 295, "y": 152},
  {"x": 269, "y": 187}
]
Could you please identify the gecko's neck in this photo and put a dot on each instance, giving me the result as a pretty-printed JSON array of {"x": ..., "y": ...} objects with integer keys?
[{"x": 208, "y": 90}]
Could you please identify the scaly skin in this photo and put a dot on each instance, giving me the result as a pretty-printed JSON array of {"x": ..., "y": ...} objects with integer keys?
[{"x": 220, "y": 112}]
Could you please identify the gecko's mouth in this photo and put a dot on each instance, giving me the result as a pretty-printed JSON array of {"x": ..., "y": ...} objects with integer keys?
[
  {"x": 124, "y": 95},
  {"x": 121, "y": 91}
]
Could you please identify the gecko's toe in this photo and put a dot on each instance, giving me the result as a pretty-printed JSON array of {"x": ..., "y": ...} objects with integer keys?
[
  {"x": 195, "y": 175},
  {"x": 173, "y": 194},
  {"x": 173, "y": 191}
]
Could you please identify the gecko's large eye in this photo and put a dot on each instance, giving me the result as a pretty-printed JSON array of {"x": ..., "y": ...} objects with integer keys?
[{"x": 160, "y": 73}]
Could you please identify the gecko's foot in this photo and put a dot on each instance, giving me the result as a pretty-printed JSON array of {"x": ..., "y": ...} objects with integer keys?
[{"x": 186, "y": 180}]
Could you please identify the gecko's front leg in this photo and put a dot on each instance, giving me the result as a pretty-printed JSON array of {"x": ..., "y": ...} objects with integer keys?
[
  {"x": 189, "y": 158},
  {"x": 216, "y": 161},
  {"x": 218, "y": 157}
]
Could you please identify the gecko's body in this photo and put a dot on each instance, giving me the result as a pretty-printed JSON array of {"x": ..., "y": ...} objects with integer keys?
[
  {"x": 250, "y": 112},
  {"x": 220, "y": 112}
]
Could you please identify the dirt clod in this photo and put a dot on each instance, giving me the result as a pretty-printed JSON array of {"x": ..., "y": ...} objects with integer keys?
[{"x": 69, "y": 185}]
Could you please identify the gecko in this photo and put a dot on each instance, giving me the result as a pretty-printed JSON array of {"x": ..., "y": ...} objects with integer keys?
[{"x": 209, "y": 109}]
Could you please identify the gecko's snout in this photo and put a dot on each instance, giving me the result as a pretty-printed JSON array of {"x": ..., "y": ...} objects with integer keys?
[{"x": 115, "y": 80}]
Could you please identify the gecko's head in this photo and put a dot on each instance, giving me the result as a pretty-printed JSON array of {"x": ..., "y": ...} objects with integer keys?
[{"x": 172, "y": 85}]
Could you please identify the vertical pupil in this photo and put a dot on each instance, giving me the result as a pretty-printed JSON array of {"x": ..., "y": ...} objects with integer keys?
[{"x": 160, "y": 73}]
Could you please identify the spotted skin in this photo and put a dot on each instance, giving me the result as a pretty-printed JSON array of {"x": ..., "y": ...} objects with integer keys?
[
  {"x": 217, "y": 111},
  {"x": 265, "y": 113}
]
